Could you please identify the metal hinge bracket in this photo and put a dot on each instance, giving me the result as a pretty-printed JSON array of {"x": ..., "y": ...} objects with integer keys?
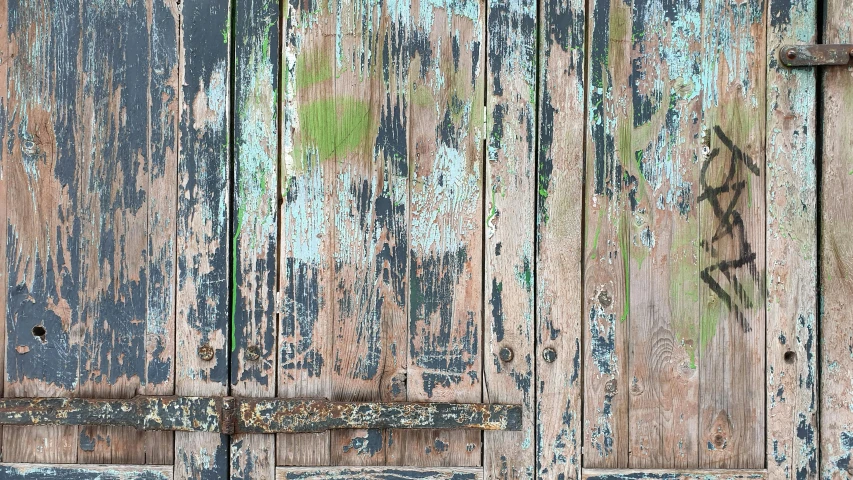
[
  {"x": 815, "y": 55},
  {"x": 231, "y": 415}
]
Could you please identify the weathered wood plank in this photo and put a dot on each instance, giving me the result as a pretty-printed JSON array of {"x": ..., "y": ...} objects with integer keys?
[
  {"x": 371, "y": 218},
  {"x": 306, "y": 267},
  {"x": 94, "y": 122},
  {"x": 731, "y": 198},
  {"x": 607, "y": 237},
  {"x": 379, "y": 473},
  {"x": 657, "y": 151},
  {"x": 6, "y": 47},
  {"x": 644, "y": 106},
  {"x": 32, "y": 471},
  {"x": 511, "y": 190},
  {"x": 596, "y": 474},
  {"x": 559, "y": 243},
  {"x": 42, "y": 250},
  {"x": 203, "y": 224},
  {"x": 163, "y": 125},
  {"x": 254, "y": 222},
  {"x": 445, "y": 269},
  {"x": 836, "y": 399},
  {"x": 791, "y": 442}
]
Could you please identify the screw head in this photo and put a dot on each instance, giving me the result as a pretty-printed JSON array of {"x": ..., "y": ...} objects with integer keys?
[
  {"x": 549, "y": 355},
  {"x": 791, "y": 53},
  {"x": 506, "y": 354},
  {"x": 205, "y": 352},
  {"x": 253, "y": 353}
]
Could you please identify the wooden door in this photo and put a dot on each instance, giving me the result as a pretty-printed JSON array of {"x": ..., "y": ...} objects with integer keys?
[{"x": 602, "y": 211}]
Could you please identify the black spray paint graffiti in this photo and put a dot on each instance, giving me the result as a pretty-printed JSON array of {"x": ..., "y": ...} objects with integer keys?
[{"x": 734, "y": 260}]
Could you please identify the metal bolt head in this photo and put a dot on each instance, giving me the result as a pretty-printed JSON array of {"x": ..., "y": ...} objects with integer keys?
[
  {"x": 549, "y": 355},
  {"x": 791, "y": 53},
  {"x": 205, "y": 352},
  {"x": 506, "y": 354},
  {"x": 253, "y": 353}
]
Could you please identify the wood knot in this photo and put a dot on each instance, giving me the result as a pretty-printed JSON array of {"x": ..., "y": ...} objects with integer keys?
[
  {"x": 610, "y": 387},
  {"x": 604, "y": 299}
]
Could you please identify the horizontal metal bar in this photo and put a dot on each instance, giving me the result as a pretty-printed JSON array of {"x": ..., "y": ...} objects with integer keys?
[
  {"x": 284, "y": 415},
  {"x": 229, "y": 415},
  {"x": 815, "y": 55}
]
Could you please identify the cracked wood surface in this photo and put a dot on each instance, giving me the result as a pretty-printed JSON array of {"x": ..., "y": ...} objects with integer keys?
[
  {"x": 203, "y": 226},
  {"x": 836, "y": 390},
  {"x": 90, "y": 128},
  {"x": 401, "y": 240}
]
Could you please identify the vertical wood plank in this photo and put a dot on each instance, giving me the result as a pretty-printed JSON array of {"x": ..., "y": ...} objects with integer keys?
[
  {"x": 606, "y": 242},
  {"x": 5, "y": 125},
  {"x": 87, "y": 123},
  {"x": 39, "y": 161},
  {"x": 255, "y": 223},
  {"x": 511, "y": 189},
  {"x": 644, "y": 133},
  {"x": 658, "y": 152},
  {"x": 203, "y": 343},
  {"x": 445, "y": 148},
  {"x": 792, "y": 338},
  {"x": 306, "y": 268},
  {"x": 836, "y": 404},
  {"x": 164, "y": 118},
  {"x": 127, "y": 199},
  {"x": 732, "y": 235},
  {"x": 371, "y": 219},
  {"x": 559, "y": 243}
]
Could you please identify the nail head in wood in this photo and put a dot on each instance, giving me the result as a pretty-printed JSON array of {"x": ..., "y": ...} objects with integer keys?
[
  {"x": 205, "y": 352},
  {"x": 253, "y": 353},
  {"x": 549, "y": 355},
  {"x": 506, "y": 354}
]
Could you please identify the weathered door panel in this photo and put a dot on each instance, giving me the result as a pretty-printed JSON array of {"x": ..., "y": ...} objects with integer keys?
[
  {"x": 89, "y": 127},
  {"x": 675, "y": 235},
  {"x": 418, "y": 191}
]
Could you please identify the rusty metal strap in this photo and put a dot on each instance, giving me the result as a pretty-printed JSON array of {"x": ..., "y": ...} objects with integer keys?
[
  {"x": 230, "y": 415},
  {"x": 815, "y": 55}
]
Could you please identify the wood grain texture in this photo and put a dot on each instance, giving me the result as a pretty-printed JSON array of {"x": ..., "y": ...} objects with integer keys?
[
  {"x": 203, "y": 225},
  {"x": 378, "y": 473},
  {"x": 559, "y": 247},
  {"x": 371, "y": 219},
  {"x": 731, "y": 198},
  {"x": 836, "y": 249},
  {"x": 642, "y": 275},
  {"x": 660, "y": 474},
  {"x": 255, "y": 222},
  {"x": 511, "y": 189},
  {"x": 445, "y": 267},
  {"x": 32, "y": 471},
  {"x": 306, "y": 266},
  {"x": 606, "y": 242},
  {"x": 91, "y": 135},
  {"x": 792, "y": 441}
]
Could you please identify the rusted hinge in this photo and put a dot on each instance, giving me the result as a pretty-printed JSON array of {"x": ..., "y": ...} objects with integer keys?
[
  {"x": 230, "y": 415},
  {"x": 815, "y": 55}
]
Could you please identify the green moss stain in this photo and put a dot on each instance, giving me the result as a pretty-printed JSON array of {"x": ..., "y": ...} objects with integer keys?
[
  {"x": 624, "y": 252},
  {"x": 234, "y": 267},
  {"x": 312, "y": 68},
  {"x": 335, "y": 126}
]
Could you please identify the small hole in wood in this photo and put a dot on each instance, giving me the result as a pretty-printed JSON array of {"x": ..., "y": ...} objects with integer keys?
[
  {"x": 790, "y": 357},
  {"x": 39, "y": 331}
]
